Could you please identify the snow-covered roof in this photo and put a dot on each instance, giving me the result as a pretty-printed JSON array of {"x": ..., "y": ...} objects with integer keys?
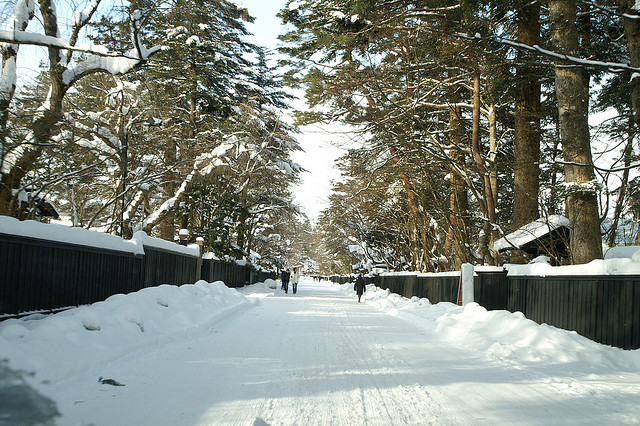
[{"x": 531, "y": 232}]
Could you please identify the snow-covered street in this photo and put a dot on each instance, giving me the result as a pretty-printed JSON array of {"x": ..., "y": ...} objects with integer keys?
[{"x": 320, "y": 357}]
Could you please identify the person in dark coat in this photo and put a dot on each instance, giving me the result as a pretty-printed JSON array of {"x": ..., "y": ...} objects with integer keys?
[
  {"x": 285, "y": 280},
  {"x": 359, "y": 286}
]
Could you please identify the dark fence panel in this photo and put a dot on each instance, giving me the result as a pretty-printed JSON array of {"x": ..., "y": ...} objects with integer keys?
[
  {"x": 438, "y": 288},
  {"x": 232, "y": 274},
  {"x": 167, "y": 267},
  {"x": 341, "y": 279},
  {"x": 44, "y": 275},
  {"x": 264, "y": 275},
  {"x": 491, "y": 289},
  {"x": 603, "y": 308},
  {"x": 395, "y": 283}
]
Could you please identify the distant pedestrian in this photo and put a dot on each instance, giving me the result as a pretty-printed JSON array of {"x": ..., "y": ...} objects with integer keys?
[
  {"x": 295, "y": 278},
  {"x": 359, "y": 286},
  {"x": 284, "y": 276}
]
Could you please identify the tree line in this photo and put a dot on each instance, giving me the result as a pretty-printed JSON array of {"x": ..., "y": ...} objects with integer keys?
[
  {"x": 152, "y": 116},
  {"x": 474, "y": 121}
]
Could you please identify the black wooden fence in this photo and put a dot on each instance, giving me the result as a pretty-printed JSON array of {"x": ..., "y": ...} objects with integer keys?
[
  {"x": 42, "y": 275},
  {"x": 605, "y": 309},
  {"x": 232, "y": 274}
]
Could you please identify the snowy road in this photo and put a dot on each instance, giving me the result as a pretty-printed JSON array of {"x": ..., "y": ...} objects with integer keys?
[{"x": 321, "y": 358}]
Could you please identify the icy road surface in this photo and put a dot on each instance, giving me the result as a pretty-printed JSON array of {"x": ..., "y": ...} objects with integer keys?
[{"x": 321, "y": 358}]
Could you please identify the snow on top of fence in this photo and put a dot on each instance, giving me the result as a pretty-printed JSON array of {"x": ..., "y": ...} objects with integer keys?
[
  {"x": 210, "y": 255},
  {"x": 66, "y": 234},
  {"x": 627, "y": 262},
  {"x": 420, "y": 274},
  {"x": 621, "y": 252},
  {"x": 142, "y": 238},
  {"x": 89, "y": 238}
]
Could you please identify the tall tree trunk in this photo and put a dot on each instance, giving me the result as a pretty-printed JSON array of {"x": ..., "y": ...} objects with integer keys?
[
  {"x": 632, "y": 32},
  {"x": 9, "y": 53},
  {"x": 582, "y": 205},
  {"x": 166, "y": 226},
  {"x": 493, "y": 154},
  {"x": 526, "y": 144},
  {"x": 488, "y": 205},
  {"x": 243, "y": 217},
  {"x": 44, "y": 122},
  {"x": 457, "y": 236}
]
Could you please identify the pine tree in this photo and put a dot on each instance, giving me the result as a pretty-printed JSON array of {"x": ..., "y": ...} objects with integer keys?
[{"x": 582, "y": 206}]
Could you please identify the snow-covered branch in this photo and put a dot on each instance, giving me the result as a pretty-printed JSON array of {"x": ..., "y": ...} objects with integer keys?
[
  {"x": 611, "y": 66},
  {"x": 35, "y": 39},
  {"x": 114, "y": 65},
  {"x": 80, "y": 19}
]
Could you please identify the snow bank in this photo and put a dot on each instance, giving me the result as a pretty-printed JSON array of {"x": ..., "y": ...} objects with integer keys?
[
  {"x": 57, "y": 346},
  {"x": 509, "y": 337},
  {"x": 260, "y": 290}
]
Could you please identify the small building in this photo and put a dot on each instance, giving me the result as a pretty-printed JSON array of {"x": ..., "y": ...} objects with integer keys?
[
  {"x": 43, "y": 210},
  {"x": 547, "y": 236}
]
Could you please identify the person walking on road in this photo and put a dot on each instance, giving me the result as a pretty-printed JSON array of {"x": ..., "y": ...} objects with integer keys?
[
  {"x": 295, "y": 278},
  {"x": 285, "y": 280},
  {"x": 359, "y": 286}
]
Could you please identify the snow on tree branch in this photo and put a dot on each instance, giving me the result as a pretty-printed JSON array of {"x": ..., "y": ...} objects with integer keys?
[
  {"x": 611, "y": 66},
  {"x": 117, "y": 65},
  {"x": 113, "y": 65},
  {"x": 80, "y": 19},
  {"x": 35, "y": 39}
]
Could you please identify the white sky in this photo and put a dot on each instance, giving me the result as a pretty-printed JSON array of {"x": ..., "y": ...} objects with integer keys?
[{"x": 321, "y": 146}]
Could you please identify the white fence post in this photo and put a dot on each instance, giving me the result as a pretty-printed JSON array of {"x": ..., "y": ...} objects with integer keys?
[{"x": 467, "y": 283}]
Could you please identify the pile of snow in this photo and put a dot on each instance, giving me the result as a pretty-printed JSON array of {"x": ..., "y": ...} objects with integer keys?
[
  {"x": 509, "y": 337},
  {"x": 260, "y": 290},
  {"x": 142, "y": 238},
  {"x": 272, "y": 284},
  {"x": 57, "y": 346}
]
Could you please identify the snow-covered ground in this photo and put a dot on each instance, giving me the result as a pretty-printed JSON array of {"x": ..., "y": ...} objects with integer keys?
[{"x": 204, "y": 354}]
